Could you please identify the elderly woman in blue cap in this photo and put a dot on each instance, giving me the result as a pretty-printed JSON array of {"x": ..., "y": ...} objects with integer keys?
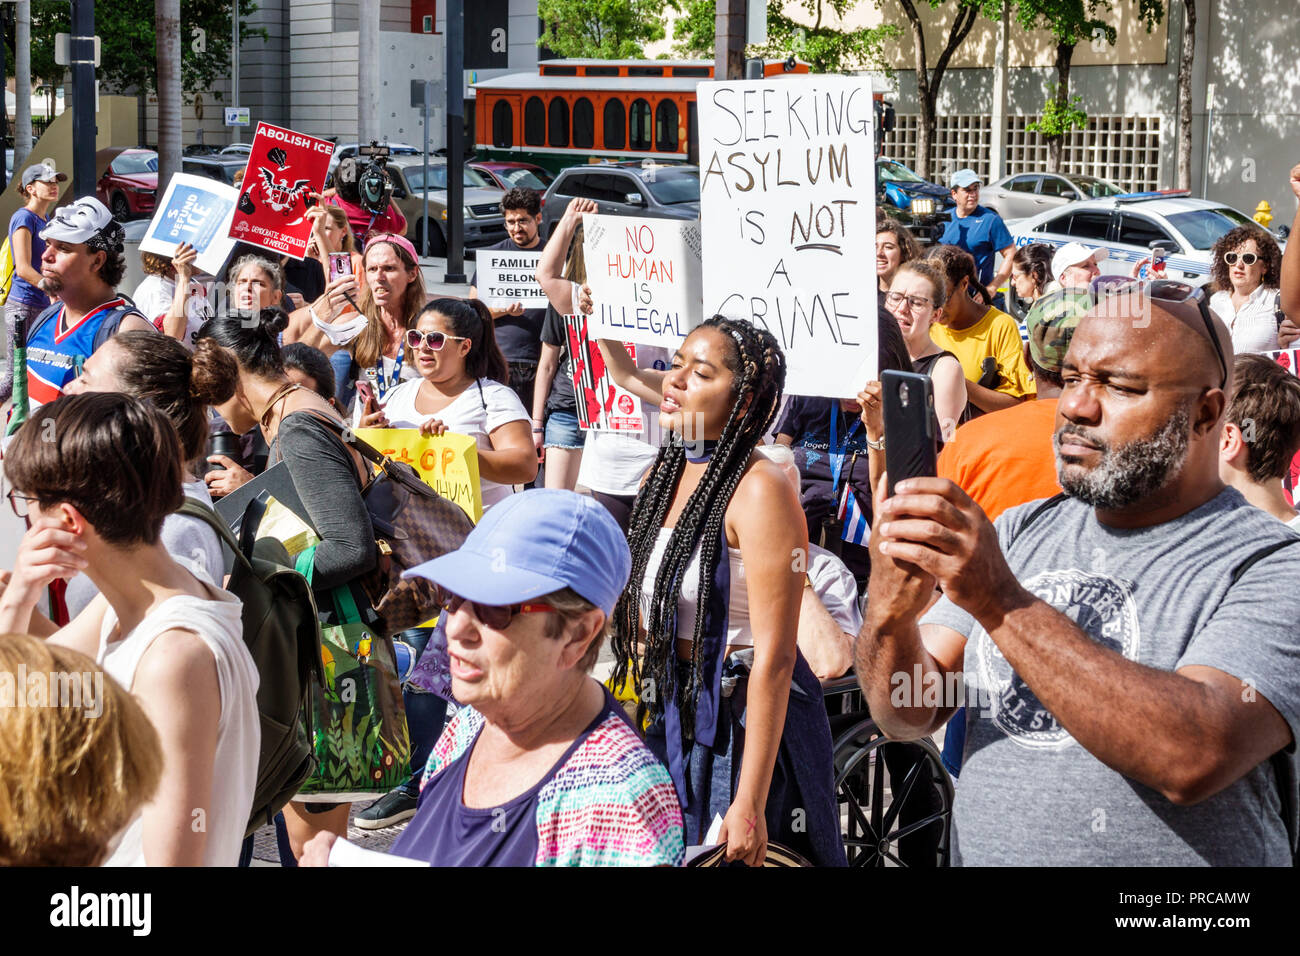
[{"x": 540, "y": 766}]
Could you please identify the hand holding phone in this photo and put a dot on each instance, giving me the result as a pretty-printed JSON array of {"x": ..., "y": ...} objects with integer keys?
[{"x": 340, "y": 265}]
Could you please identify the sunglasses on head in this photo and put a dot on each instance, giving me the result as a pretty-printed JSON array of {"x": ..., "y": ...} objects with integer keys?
[
  {"x": 1247, "y": 258},
  {"x": 497, "y": 617},
  {"x": 416, "y": 339},
  {"x": 1167, "y": 292}
]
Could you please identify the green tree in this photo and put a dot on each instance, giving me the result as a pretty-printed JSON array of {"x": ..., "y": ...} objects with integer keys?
[
  {"x": 601, "y": 29},
  {"x": 126, "y": 31},
  {"x": 823, "y": 47}
]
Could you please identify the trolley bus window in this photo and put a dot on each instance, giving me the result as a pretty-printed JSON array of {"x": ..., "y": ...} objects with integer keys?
[
  {"x": 584, "y": 124},
  {"x": 558, "y": 125},
  {"x": 534, "y": 122},
  {"x": 503, "y": 124},
  {"x": 615, "y": 121},
  {"x": 639, "y": 121},
  {"x": 666, "y": 126}
]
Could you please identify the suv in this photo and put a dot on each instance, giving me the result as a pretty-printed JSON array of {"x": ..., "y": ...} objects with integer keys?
[
  {"x": 218, "y": 167},
  {"x": 920, "y": 205},
  {"x": 1130, "y": 227},
  {"x": 484, "y": 223},
  {"x": 626, "y": 189}
]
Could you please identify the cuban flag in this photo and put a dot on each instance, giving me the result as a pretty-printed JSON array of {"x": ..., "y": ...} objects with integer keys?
[{"x": 855, "y": 528}]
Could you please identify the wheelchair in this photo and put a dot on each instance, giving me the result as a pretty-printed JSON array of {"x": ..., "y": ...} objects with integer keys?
[{"x": 908, "y": 822}]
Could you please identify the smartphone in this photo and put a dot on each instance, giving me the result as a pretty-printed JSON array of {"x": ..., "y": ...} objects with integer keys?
[
  {"x": 366, "y": 395},
  {"x": 340, "y": 265},
  {"x": 911, "y": 447}
]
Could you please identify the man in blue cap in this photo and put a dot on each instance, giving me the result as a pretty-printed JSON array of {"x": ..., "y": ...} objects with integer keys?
[
  {"x": 540, "y": 766},
  {"x": 980, "y": 231}
]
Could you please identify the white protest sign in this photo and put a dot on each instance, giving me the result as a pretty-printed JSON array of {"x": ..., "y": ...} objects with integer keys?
[
  {"x": 507, "y": 275},
  {"x": 644, "y": 276},
  {"x": 787, "y": 200},
  {"x": 196, "y": 210}
]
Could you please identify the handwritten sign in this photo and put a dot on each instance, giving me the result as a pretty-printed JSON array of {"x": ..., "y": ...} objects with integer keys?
[
  {"x": 448, "y": 463},
  {"x": 196, "y": 210},
  {"x": 284, "y": 167},
  {"x": 787, "y": 199},
  {"x": 507, "y": 275},
  {"x": 644, "y": 276},
  {"x": 602, "y": 405}
]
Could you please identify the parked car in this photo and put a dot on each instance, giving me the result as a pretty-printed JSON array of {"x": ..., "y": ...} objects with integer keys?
[
  {"x": 222, "y": 168},
  {"x": 509, "y": 175},
  {"x": 630, "y": 188},
  {"x": 483, "y": 221},
  {"x": 1129, "y": 227},
  {"x": 238, "y": 149},
  {"x": 200, "y": 149},
  {"x": 129, "y": 185},
  {"x": 924, "y": 207},
  {"x": 1027, "y": 194}
]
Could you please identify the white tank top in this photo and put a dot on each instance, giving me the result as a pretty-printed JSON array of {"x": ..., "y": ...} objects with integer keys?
[
  {"x": 738, "y": 632},
  {"x": 239, "y": 735}
]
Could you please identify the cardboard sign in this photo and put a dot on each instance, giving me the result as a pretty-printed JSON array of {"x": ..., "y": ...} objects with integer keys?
[
  {"x": 787, "y": 199},
  {"x": 196, "y": 210},
  {"x": 644, "y": 276},
  {"x": 602, "y": 405},
  {"x": 283, "y": 168},
  {"x": 508, "y": 275},
  {"x": 448, "y": 463}
]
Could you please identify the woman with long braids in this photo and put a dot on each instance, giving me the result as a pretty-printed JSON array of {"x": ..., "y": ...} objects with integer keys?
[{"x": 736, "y": 713}]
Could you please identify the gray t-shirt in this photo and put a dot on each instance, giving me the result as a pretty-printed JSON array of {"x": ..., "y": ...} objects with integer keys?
[{"x": 1029, "y": 794}]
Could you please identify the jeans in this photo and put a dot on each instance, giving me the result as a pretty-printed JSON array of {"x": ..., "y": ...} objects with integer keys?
[
  {"x": 425, "y": 714},
  {"x": 954, "y": 742},
  {"x": 345, "y": 386},
  {"x": 13, "y": 309}
]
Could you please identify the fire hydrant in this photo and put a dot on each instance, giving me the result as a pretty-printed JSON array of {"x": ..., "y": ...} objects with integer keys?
[{"x": 1263, "y": 213}]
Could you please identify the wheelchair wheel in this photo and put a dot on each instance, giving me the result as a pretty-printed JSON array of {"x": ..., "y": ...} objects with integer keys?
[{"x": 910, "y": 824}]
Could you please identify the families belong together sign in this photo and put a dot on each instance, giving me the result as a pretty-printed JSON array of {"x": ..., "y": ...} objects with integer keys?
[{"x": 787, "y": 198}]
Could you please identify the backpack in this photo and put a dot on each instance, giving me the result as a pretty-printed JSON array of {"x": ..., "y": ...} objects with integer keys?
[
  {"x": 7, "y": 270},
  {"x": 107, "y": 329},
  {"x": 282, "y": 633}
]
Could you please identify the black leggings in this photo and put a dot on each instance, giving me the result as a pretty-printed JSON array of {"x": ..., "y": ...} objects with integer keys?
[{"x": 620, "y": 506}]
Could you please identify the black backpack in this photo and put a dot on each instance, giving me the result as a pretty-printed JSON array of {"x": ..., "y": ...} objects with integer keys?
[{"x": 282, "y": 633}]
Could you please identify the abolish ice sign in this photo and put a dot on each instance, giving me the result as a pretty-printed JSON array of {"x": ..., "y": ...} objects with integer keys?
[{"x": 787, "y": 198}]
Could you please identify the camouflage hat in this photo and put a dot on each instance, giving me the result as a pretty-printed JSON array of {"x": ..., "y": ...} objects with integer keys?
[{"x": 1051, "y": 322}]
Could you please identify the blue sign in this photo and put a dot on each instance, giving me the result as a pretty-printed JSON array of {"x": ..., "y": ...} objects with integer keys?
[{"x": 198, "y": 211}]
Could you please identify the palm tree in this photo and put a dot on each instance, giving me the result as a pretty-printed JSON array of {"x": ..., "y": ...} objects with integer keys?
[
  {"x": 1186, "y": 58},
  {"x": 167, "y": 17}
]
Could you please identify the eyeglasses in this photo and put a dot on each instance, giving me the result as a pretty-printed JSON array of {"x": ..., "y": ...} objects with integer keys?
[
  {"x": 917, "y": 302},
  {"x": 1247, "y": 258},
  {"x": 1169, "y": 292},
  {"x": 416, "y": 339},
  {"x": 20, "y": 510},
  {"x": 497, "y": 617}
]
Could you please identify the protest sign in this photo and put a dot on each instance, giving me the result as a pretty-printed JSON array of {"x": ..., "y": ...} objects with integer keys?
[
  {"x": 508, "y": 275},
  {"x": 787, "y": 200},
  {"x": 644, "y": 276},
  {"x": 1289, "y": 359},
  {"x": 196, "y": 210},
  {"x": 602, "y": 405},
  {"x": 283, "y": 168},
  {"x": 448, "y": 463}
]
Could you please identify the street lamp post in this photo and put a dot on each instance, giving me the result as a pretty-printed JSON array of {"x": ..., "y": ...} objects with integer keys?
[{"x": 81, "y": 50}]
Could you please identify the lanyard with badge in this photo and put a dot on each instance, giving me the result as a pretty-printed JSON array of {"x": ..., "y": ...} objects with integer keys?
[
  {"x": 837, "y": 451},
  {"x": 379, "y": 380}
]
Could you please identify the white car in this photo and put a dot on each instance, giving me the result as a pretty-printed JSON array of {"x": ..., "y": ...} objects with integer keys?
[{"x": 1129, "y": 228}]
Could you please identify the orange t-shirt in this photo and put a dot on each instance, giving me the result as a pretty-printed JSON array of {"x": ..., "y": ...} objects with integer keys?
[{"x": 1005, "y": 458}]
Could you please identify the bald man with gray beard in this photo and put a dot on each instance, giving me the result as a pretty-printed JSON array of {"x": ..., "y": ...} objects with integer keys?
[{"x": 1128, "y": 652}]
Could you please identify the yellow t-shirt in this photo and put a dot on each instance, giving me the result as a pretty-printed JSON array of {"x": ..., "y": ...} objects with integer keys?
[{"x": 995, "y": 334}]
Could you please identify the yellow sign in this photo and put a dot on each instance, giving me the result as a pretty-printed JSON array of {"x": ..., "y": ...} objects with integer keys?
[{"x": 448, "y": 463}]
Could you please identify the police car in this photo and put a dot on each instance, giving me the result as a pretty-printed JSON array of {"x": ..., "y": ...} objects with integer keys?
[{"x": 1130, "y": 227}]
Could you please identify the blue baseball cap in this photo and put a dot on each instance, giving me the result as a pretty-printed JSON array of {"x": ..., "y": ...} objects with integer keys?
[
  {"x": 963, "y": 178},
  {"x": 533, "y": 543}
]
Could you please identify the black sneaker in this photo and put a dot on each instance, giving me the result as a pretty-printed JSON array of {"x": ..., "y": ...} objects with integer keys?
[{"x": 393, "y": 807}]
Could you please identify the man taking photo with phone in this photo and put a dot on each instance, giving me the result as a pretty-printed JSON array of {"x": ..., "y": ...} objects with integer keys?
[{"x": 1127, "y": 648}]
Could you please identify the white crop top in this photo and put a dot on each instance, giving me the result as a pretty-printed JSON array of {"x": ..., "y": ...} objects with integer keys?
[{"x": 738, "y": 631}]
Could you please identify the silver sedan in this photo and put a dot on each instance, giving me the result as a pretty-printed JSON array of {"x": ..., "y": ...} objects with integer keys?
[{"x": 1028, "y": 194}]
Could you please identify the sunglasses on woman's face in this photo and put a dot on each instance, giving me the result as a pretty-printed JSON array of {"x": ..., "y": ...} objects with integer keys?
[
  {"x": 1247, "y": 258},
  {"x": 433, "y": 340},
  {"x": 497, "y": 617}
]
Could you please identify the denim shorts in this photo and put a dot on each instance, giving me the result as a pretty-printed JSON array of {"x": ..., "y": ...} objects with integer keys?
[{"x": 562, "y": 430}]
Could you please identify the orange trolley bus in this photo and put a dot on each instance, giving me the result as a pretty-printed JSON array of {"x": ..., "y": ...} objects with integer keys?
[{"x": 572, "y": 112}]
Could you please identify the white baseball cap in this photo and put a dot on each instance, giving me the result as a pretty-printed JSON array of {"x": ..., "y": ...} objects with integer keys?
[{"x": 1073, "y": 253}]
